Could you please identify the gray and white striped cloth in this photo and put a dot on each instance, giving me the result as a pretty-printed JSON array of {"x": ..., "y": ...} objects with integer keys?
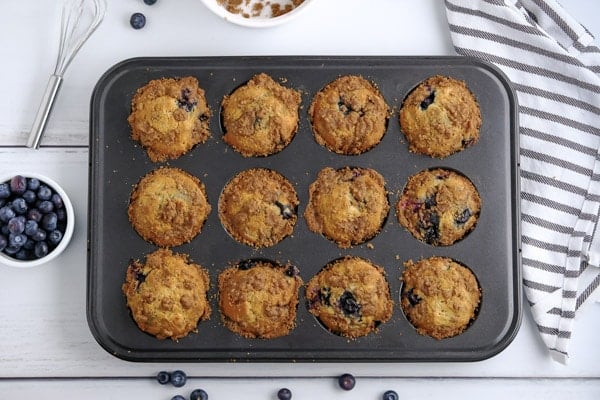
[{"x": 555, "y": 70}]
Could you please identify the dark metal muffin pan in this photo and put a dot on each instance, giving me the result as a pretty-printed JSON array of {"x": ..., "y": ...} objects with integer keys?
[{"x": 491, "y": 250}]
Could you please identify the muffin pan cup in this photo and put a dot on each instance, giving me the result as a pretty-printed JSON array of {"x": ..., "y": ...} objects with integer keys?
[{"x": 491, "y": 250}]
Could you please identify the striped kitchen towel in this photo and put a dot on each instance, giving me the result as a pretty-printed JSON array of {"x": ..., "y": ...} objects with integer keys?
[{"x": 554, "y": 67}]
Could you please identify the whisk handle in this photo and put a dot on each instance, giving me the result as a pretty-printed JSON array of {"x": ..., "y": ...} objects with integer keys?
[{"x": 39, "y": 124}]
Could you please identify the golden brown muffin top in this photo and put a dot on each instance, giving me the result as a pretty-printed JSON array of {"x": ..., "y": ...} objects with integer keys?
[
  {"x": 258, "y": 207},
  {"x": 168, "y": 207},
  {"x": 167, "y": 294},
  {"x": 258, "y": 299},
  {"x": 348, "y": 205},
  {"x": 349, "y": 115},
  {"x": 261, "y": 117},
  {"x": 350, "y": 296},
  {"x": 439, "y": 206},
  {"x": 440, "y": 117},
  {"x": 169, "y": 117},
  {"x": 439, "y": 296}
]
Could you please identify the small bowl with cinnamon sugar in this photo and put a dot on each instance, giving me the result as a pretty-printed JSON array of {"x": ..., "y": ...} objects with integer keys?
[{"x": 257, "y": 13}]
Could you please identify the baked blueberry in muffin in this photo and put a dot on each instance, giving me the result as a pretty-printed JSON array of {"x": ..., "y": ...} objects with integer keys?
[
  {"x": 169, "y": 116},
  {"x": 440, "y": 296},
  {"x": 349, "y": 115},
  {"x": 350, "y": 297},
  {"x": 259, "y": 298},
  {"x": 348, "y": 205},
  {"x": 167, "y": 294},
  {"x": 439, "y": 206},
  {"x": 440, "y": 117}
]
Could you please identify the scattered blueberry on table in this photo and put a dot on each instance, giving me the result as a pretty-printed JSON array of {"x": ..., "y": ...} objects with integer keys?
[
  {"x": 178, "y": 397},
  {"x": 347, "y": 381},
  {"x": 284, "y": 394},
  {"x": 30, "y": 226},
  {"x": 137, "y": 20},
  {"x": 178, "y": 378},
  {"x": 163, "y": 377},
  {"x": 198, "y": 394},
  {"x": 149, "y": 2},
  {"x": 390, "y": 395}
]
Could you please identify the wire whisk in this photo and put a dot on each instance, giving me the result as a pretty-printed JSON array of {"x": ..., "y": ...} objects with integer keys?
[{"x": 79, "y": 20}]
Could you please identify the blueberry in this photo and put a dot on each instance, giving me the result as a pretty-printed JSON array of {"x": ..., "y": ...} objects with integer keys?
[
  {"x": 18, "y": 184},
  {"x": 44, "y": 192},
  {"x": 55, "y": 237},
  {"x": 163, "y": 377},
  {"x": 150, "y": 2},
  {"x": 11, "y": 250},
  {"x": 49, "y": 221},
  {"x": 178, "y": 378},
  {"x": 22, "y": 254},
  {"x": 4, "y": 190},
  {"x": 57, "y": 201},
  {"x": 292, "y": 271},
  {"x": 29, "y": 244},
  {"x": 430, "y": 201},
  {"x": 463, "y": 217},
  {"x": 347, "y": 381},
  {"x": 46, "y": 206},
  {"x": 199, "y": 394},
  {"x": 349, "y": 305},
  {"x": 245, "y": 264},
  {"x": 178, "y": 397},
  {"x": 31, "y": 227},
  {"x": 16, "y": 225},
  {"x": 137, "y": 20},
  {"x": 16, "y": 240},
  {"x": 34, "y": 214},
  {"x": 19, "y": 205},
  {"x": 61, "y": 214},
  {"x": 40, "y": 249},
  {"x": 390, "y": 395},
  {"x": 412, "y": 298},
  {"x": 6, "y": 213},
  {"x": 185, "y": 102},
  {"x": 428, "y": 101},
  {"x": 286, "y": 211},
  {"x": 325, "y": 296},
  {"x": 29, "y": 196},
  {"x": 33, "y": 184},
  {"x": 284, "y": 394},
  {"x": 3, "y": 242},
  {"x": 39, "y": 235},
  {"x": 431, "y": 228}
]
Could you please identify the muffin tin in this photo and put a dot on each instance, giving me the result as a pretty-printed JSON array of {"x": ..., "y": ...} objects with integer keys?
[{"x": 491, "y": 250}]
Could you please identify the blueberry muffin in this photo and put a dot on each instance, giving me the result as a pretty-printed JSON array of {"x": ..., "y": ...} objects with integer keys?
[
  {"x": 350, "y": 297},
  {"x": 440, "y": 297},
  {"x": 348, "y": 205},
  {"x": 258, "y": 207},
  {"x": 349, "y": 115},
  {"x": 169, "y": 117},
  {"x": 261, "y": 117},
  {"x": 258, "y": 299},
  {"x": 439, "y": 206},
  {"x": 440, "y": 117},
  {"x": 168, "y": 207},
  {"x": 167, "y": 294}
]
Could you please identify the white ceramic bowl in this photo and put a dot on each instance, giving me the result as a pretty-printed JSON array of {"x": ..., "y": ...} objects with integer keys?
[
  {"x": 255, "y": 22},
  {"x": 13, "y": 262}
]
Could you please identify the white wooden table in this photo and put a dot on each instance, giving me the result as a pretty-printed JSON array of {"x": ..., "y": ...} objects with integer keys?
[{"x": 46, "y": 348}]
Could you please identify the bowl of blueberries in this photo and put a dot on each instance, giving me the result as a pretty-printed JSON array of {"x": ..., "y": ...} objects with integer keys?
[{"x": 36, "y": 220}]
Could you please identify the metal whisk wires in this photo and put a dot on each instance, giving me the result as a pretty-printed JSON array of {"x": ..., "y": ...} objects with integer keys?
[{"x": 80, "y": 18}]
